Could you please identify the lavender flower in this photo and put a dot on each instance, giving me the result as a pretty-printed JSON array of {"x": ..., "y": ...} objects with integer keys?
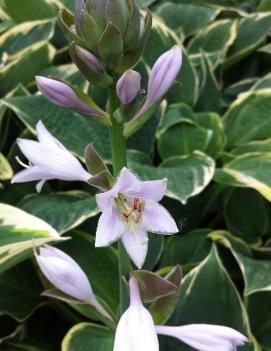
[
  {"x": 66, "y": 275},
  {"x": 162, "y": 77},
  {"x": 89, "y": 59},
  {"x": 49, "y": 160},
  {"x": 130, "y": 210},
  {"x": 63, "y": 95},
  {"x": 136, "y": 331},
  {"x": 128, "y": 86}
]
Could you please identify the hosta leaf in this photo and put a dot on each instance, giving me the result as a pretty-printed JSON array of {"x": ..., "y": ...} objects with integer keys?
[
  {"x": 5, "y": 169},
  {"x": 26, "y": 64},
  {"x": 99, "y": 264},
  {"x": 30, "y": 10},
  {"x": 193, "y": 173},
  {"x": 214, "y": 40},
  {"x": 263, "y": 83},
  {"x": 246, "y": 215},
  {"x": 252, "y": 147},
  {"x": 20, "y": 291},
  {"x": 188, "y": 18},
  {"x": 63, "y": 210},
  {"x": 18, "y": 229},
  {"x": 256, "y": 273},
  {"x": 205, "y": 290},
  {"x": 248, "y": 118},
  {"x": 248, "y": 171},
  {"x": 196, "y": 244},
  {"x": 88, "y": 336},
  {"x": 62, "y": 123},
  {"x": 26, "y": 34},
  {"x": 251, "y": 32},
  {"x": 259, "y": 310}
]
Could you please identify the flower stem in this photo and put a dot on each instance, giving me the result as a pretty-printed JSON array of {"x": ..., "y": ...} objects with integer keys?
[{"x": 119, "y": 160}]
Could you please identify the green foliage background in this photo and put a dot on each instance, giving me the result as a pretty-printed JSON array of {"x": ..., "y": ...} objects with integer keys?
[{"x": 211, "y": 139}]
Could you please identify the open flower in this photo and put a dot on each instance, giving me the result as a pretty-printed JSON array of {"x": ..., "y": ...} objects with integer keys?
[
  {"x": 136, "y": 331},
  {"x": 66, "y": 275},
  {"x": 49, "y": 159},
  {"x": 130, "y": 210}
]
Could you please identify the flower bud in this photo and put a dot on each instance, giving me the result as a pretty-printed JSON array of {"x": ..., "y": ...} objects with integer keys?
[
  {"x": 63, "y": 94},
  {"x": 128, "y": 86},
  {"x": 67, "y": 276},
  {"x": 89, "y": 66},
  {"x": 162, "y": 77}
]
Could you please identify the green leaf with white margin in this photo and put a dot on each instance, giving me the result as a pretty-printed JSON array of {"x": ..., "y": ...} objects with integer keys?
[
  {"x": 5, "y": 169},
  {"x": 63, "y": 210},
  {"x": 99, "y": 264},
  {"x": 162, "y": 39},
  {"x": 208, "y": 295},
  {"x": 30, "y": 10},
  {"x": 88, "y": 336},
  {"x": 252, "y": 147},
  {"x": 197, "y": 247},
  {"x": 246, "y": 215},
  {"x": 248, "y": 171},
  {"x": 251, "y": 32},
  {"x": 256, "y": 273},
  {"x": 25, "y": 64},
  {"x": 188, "y": 18},
  {"x": 187, "y": 176},
  {"x": 263, "y": 83},
  {"x": 248, "y": 118},
  {"x": 26, "y": 34},
  {"x": 61, "y": 123},
  {"x": 18, "y": 229},
  {"x": 20, "y": 292},
  {"x": 215, "y": 41}
]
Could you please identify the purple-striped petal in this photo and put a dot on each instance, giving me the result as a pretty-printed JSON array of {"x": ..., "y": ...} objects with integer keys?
[
  {"x": 157, "y": 219},
  {"x": 136, "y": 245}
]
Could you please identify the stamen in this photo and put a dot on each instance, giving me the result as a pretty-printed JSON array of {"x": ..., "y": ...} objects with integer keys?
[{"x": 21, "y": 162}]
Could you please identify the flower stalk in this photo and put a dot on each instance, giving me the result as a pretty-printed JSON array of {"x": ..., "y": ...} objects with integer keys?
[{"x": 119, "y": 160}]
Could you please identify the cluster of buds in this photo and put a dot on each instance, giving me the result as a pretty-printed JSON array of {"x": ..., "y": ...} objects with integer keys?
[{"x": 106, "y": 37}]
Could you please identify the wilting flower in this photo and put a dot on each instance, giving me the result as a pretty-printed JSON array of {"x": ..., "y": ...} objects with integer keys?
[
  {"x": 49, "y": 159},
  {"x": 136, "y": 331},
  {"x": 66, "y": 275},
  {"x": 162, "y": 77},
  {"x": 61, "y": 94},
  {"x": 130, "y": 210},
  {"x": 128, "y": 86}
]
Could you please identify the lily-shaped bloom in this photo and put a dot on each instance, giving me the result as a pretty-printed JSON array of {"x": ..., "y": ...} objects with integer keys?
[
  {"x": 130, "y": 210},
  {"x": 66, "y": 275},
  {"x": 49, "y": 159},
  {"x": 136, "y": 331}
]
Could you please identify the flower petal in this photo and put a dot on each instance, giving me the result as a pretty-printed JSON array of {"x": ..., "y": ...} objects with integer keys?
[
  {"x": 106, "y": 199},
  {"x": 30, "y": 174},
  {"x": 128, "y": 86},
  {"x": 127, "y": 183},
  {"x": 153, "y": 189},
  {"x": 136, "y": 245},
  {"x": 205, "y": 337},
  {"x": 110, "y": 227},
  {"x": 45, "y": 137},
  {"x": 156, "y": 219},
  {"x": 136, "y": 330}
]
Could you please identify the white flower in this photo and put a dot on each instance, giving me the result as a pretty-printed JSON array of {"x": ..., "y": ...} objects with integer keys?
[
  {"x": 136, "y": 330},
  {"x": 130, "y": 210},
  {"x": 49, "y": 160},
  {"x": 66, "y": 275}
]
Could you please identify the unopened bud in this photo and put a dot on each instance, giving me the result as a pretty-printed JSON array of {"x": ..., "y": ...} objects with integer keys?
[{"x": 128, "y": 86}]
